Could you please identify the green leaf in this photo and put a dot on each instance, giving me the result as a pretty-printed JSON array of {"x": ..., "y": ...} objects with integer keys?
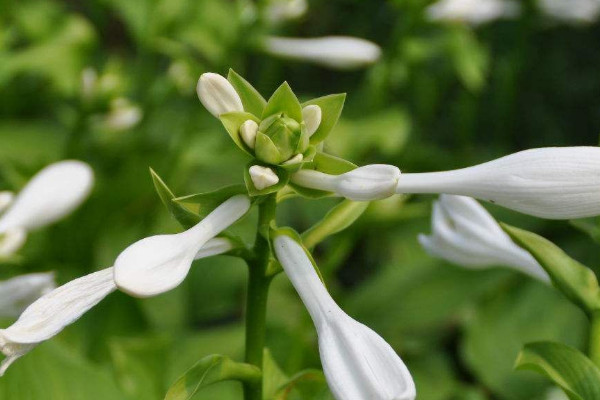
[
  {"x": 565, "y": 366},
  {"x": 589, "y": 226},
  {"x": 281, "y": 173},
  {"x": 331, "y": 109},
  {"x": 337, "y": 219},
  {"x": 284, "y": 101},
  {"x": 327, "y": 164},
  {"x": 252, "y": 100},
  {"x": 266, "y": 150},
  {"x": 209, "y": 370},
  {"x": 202, "y": 204},
  {"x": 185, "y": 217},
  {"x": 307, "y": 384},
  {"x": 232, "y": 122},
  {"x": 573, "y": 279},
  {"x": 273, "y": 376}
]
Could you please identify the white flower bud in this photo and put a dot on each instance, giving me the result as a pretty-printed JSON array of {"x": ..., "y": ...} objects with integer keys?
[
  {"x": 312, "y": 118},
  {"x": 339, "y": 52},
  {"x": 357, "y": 362},
  {"x": 248, "y": 132},
  {"x": 464, "y": 233},
  {"x": 371, "y": 182},
  {"x": 294, "y": 160},
  {"x": 474, "y": 12},
  {"x": 51, "y": 194},
  {"x": 19, "y": 292},
  {"x": 552, "y": 182},
  {"x": 159, "y": 263},
  {"x": 217, "y": 94},
  {"x": 262, "y": 177}
]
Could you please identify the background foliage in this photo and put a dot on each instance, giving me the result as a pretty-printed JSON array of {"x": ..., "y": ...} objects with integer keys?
[{"x": 442, "y": 96}]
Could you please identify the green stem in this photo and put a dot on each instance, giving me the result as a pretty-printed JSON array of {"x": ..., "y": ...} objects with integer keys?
[
  {"x": 256, "y": 299},
  {"x": 594, "y": 339}
]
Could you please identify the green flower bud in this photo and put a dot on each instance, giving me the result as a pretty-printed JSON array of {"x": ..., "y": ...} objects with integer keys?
[{"x": 280, "y": 138}]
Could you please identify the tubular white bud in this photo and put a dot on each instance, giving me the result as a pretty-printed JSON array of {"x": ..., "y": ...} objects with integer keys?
[
  {"x": 312, "y": 118},
  {"x": 294, "y": 160},
  {"x": 262, "y": 177},
  {"x": 248, "y": 132},
  {"x": 217, "y": 94}
]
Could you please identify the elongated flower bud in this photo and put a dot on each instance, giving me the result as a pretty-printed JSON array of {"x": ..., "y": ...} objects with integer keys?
[
  {"x": 371, "y": 182},
  {"x": 19, "y": 292},
  {"x": 464, "y": 233},
  {"x": 262, "y": 177},
  {"x": 312, "y": 118},
  {"x": 51, "y": 194},
  {"x": 340, "y": 52},
  {"x": 357, "y": 362},
  {"x": 474, "y": 12},
  {"x": 159, "y": 263},
  {"x": 553, "y": 182},
  {"x": 217, "y": 94}
]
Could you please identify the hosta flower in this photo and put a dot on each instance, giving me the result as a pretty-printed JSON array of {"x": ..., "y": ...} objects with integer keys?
[
  {"x": 371, "y": 182},
  {"x": 159, "y": 263},
  {"x": 572, "y": 11},
  {"x": 18, "y": 292},
  {"x": 340, "y": 52},
  {"x": 357, "y": 362},
  {"x": 552, "y": 182},
  {"x": 464, "y": 233},
  {"x": 217, "y": 94},
  {"x": 472, "y": 11},
  {"x": 50, "y": 195}
]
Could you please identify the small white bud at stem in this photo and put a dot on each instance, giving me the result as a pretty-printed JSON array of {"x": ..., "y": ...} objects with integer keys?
[
  {"x": 312, "y": 118},
  {"x": 218, "y": 95},
  {"x": 294, "y": 160},
  {"x": 248, "y": 132},
  {"x": 262, "y": 177}
]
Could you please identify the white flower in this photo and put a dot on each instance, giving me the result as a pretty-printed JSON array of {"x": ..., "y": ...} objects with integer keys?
[
  {"x": 123, "y": 115},
  {"x": 217, "y": 94},
  {"x": 159, "y": 263},
  {"x": 371, "y": 182},
  {"x": 18, "y": 292},
  {"x": 464, "y": 233},
  {"x": 248, "y": 132},
  {"x": 6, "y": 199},
  {"x": 312, "y": 118},
  {"x": 283, "y": 10},
  {"x": 472, "y": 11},
  {"x": 262, "y": 177},
  {"x": 357, "y": 362},
  {"x": 340, "y": 52},
  {"x": 47, "y": 316},
  {"x": 552, "y": 182},
  {"x": 50, "y": 195},
  {"x": 572, "y": 11}
]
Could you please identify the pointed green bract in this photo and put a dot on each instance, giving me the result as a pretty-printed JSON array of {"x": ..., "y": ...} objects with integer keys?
[
  {"x": 307, "y": 384},
  {"x": 331, "y": 109},
  {"x": 573, "y": 279},
  {"x": 209, "y": 370},
  {"x": 266, "y": 151},
  {"x": 337, "y": 219},
  {"x": 185, "y": 217},
  {"x": 232, "y": 122},
  {"x": 284, "y": 101},
  {"x": 203, "y": 204},
  {"x": 281, "y": 173},
  {"x": 565, "y": 366},
  {"x": 252, "y": 100}
]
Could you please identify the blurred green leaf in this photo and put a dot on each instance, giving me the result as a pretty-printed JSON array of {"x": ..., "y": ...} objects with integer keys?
[
  {"x": 284, "y": 101},
  {"x": 337, "y": 219},
  {"x": 252, "y": 100}
]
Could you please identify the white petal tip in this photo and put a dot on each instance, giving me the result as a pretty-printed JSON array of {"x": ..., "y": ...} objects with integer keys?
[
  {"x": 248, "y": 132},
  {"x": 312, "y": 118},
  {"x": 262, "y": 177},
  {"x": 217, "y": 94}
]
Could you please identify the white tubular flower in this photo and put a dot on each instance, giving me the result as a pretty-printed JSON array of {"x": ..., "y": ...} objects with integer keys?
[
  {"x": 50, "y": 195},
  {"x": 312, "y": 118},
  {"x": 52, "y": 312},
  {"x": 19, "y": 292},
  {"x": 284, "y": 10},
  {"x": 262, "y": 177},
  {"x": 357, "y": 362},
  {"x": 473, "y": 12},
  {"x": 217, "y": 94},
  {"x": 371, "y": 182},
  {"x": 571, "y": 11},
  {"x": 214, "y": 247},
  {"x": 159, "y": 263},
  {"x": 340, "y": 52},
  {"x": 464, "y": 233},
  {"x": 6, "y": 199},
  {"x": 552, "y": 182}
]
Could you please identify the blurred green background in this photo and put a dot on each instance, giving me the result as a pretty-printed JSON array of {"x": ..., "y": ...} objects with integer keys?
[{"x": 112, "y": 82}]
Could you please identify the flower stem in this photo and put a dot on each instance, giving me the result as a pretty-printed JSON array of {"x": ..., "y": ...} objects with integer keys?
[
  {"x": 256, "y": 298},
  {"x": 594, "y": 339}
]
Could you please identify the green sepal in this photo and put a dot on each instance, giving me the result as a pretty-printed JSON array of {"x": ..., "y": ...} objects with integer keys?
[
  {"x": 307, "y": 384},
  {"x": 576, "y": 281},
  {"x": 266, "y": 150},
  {"x": 284, "y": 101},
  {"x": 331, "y": 109},
  {"x": 336, "y": 220},
  {"x": 327, "y": 164},
  {"x": 185, "y": 217},
  {"x": 252, "y": 100},
  {"x": 307, "y": 156},
  {"x": 209, "y": 370},
  {"x": 273, "y": 375},
  {"x": 287, "y": 231},
  {"x": 203, "y": 204},
  {"x": 281, "y": 173},
  {"x": 232, "y": 122},
  {"x": 578, "y": 377}
]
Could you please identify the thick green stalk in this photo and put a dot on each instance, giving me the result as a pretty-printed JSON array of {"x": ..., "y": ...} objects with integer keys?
[
  {"x": 256, "y": 298},
  {"x": 594, "y": 339}
]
